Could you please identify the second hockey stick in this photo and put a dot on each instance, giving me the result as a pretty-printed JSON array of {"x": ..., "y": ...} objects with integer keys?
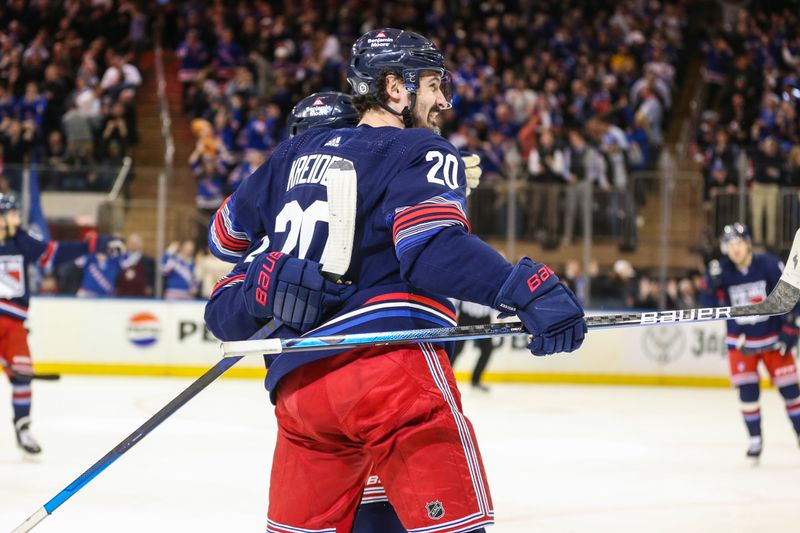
[
  {"x": 26, "y": 375},
  {"x": 341, "y": 190},
  {"x": 780, "y": 301}
]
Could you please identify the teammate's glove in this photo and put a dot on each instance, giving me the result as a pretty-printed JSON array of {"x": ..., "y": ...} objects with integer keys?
[
  {"x": 547, "y": 308},
  {"x": 290, "y": 290},
  {"x": 788, "y": 337},
  {"x": 472, "y": 168},
  {"x": 714, "y": 272}
]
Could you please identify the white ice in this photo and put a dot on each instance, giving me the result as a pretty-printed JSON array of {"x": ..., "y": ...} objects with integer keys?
[{"x": 560, "y": 458}]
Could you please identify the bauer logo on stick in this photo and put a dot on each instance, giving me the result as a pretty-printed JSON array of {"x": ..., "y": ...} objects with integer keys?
[{"x": 686, "y": 315}]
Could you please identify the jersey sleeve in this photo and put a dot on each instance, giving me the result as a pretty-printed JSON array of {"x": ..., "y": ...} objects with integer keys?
[
  {"x": 225, "y": 313},
  {"x": 425, "y": 209},
  {"x": 49, "y": 254},
  {"x": 231, "y": 229},
  {"x": 33, "y": 249}
]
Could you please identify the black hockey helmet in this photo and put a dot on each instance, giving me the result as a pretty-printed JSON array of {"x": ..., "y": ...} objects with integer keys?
[
  {"x": 322, "y": 110},
  {"x": 8, "y": 202},
  {"x": 405, "y": 53},
  {"x": 737, "y": 230}
]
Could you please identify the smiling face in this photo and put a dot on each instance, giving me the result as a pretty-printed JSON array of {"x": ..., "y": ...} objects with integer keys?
[{"x": 431, "y": 101}]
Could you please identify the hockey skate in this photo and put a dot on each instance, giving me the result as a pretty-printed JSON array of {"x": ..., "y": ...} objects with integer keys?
[
  {"x": 754, "y": 448},
  {"x": 24, "y": 438}
]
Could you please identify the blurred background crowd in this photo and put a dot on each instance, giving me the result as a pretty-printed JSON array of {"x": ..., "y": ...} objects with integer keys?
[
  {"x": 563, "y": 100},
  {"x": 68, "y": 80}
]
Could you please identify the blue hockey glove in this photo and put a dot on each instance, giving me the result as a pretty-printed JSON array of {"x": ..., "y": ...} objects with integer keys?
[
  {"x": 788, "y": 337},
  {"x": 547, "y": 308},
  {"x": 290, "y": 290}
]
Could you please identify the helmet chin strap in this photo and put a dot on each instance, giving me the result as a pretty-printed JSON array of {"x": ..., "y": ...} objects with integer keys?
[
  {"x": 405, "y": 114},
  {"x": 408, "y": 119}
]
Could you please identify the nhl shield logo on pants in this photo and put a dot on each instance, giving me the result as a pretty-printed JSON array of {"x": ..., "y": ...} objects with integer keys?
[{"x": 435, "y": 510}]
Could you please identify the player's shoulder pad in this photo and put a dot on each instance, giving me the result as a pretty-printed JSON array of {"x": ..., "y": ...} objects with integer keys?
[
  {"x": 422, "y": 139},
  {"x": 309, "y": 139},
  {"x": 726, "y": 265},
  {"x": 768, "y": 260}
]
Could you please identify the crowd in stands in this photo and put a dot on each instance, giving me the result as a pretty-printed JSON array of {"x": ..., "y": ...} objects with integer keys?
[
  {"x": 67, "y": 85},
  {"x": 750, "y": 130},
  {"x": 622, "y": 287},
  {"x": 564, "y": 91},
  {"x": 129, "y": 272}
]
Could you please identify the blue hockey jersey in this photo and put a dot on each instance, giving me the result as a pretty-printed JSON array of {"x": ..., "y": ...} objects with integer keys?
[
  {"x": 412, "y": 249},
  {"x": 180, "y": 281},
  {"x": 736, "y": 287},
  {"x": 23, "y": 250}
]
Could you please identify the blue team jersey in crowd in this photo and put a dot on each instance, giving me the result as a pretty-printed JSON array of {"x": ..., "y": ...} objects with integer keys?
[
  {"x": 179, "y": 283},
  {"x": 412, "y": 245},
  {"x": 17, "y": 254},
  {"x": 100, "y": 273},
  {"x": 744, "y": 287}
]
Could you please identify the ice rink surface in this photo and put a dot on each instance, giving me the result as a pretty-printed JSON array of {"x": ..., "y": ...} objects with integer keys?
[{"x": 560, "y": 458}]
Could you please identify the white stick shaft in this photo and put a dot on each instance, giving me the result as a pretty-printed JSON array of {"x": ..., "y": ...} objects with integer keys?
[
  {"x": 32, "y": 521},
  {"x": 251, "y": 347}
]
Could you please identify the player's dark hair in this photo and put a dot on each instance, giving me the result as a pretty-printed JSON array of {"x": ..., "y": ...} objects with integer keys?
[{"x": 363, "y": 103}]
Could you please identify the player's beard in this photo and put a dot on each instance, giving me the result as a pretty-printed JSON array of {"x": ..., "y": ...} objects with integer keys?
[{"x": 428, "y": 120}]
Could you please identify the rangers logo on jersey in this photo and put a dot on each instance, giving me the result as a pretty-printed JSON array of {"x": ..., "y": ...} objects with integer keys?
[
  {"x": 12, "y": 276},
  {"x": 748, "y": 294}
]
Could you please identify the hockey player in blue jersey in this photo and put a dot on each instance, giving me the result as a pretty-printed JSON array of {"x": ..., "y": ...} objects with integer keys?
[
  {"x": 743, "y": 278},
  {"x": 18, "y": 250},
  {"x": 327, "y": 109},
  {"x": 396, "y": 407}
]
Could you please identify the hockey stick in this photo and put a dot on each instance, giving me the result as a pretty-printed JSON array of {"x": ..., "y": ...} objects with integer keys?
[
  {"x": 780, "y": 301},
  {"x": 342, "y": 208},
  {"x": 15, "y": 374}
]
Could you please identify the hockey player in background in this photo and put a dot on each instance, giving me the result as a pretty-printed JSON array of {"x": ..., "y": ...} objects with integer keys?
[
  {"x": 743, "y": 278},
  {"x": 397, "y": 407},
  {"x": 19, "y": 250}
]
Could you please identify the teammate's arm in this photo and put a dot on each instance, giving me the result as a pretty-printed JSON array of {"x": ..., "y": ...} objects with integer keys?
[
  {"x": 232, "y": 228},
  {"x": 265, "y": 285},
  {"x": 54, "y": 253}
]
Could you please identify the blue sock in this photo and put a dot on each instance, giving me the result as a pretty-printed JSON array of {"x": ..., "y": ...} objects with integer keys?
[
  {"x": 791, "y": 395},
  {"x": 21, "y": 399},
  {"x": 748, "y": 395}
]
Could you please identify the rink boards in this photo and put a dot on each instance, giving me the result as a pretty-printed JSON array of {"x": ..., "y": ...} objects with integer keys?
[{"x": 148, "y": 337}]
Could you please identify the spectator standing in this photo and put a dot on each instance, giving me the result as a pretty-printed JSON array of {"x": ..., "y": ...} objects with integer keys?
[
  {"x": 138, "y": 270},
  {"x": 768, "y": 175},
  {"x": 584, "y": 166},
  {"x": 100, "y": 272},
  {"x": 178, "y": 269},
  {"x": 720, "y": 172},
  {"x": 78, "y": 132},
  {"x": 546, "y": 167}
]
